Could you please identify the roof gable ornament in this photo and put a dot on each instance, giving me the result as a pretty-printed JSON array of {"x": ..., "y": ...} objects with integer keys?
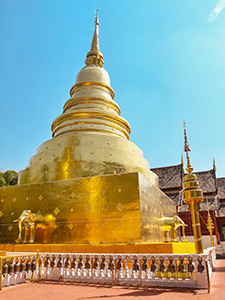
[
  {"x": 182, "y": 160},
  {"x": 214, "y": 165}
]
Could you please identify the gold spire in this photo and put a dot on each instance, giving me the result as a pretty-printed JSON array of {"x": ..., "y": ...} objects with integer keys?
[
  {"x": 192, "y": 195},
  {"x": 210, "y": 225},
  {"x": 189, "y": 169},
  {"x": 95, "y": 41},
  {"x": 95, "y": 56}
]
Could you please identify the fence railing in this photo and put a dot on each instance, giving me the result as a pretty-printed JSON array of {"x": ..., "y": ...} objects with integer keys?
[
  {"x": 13, "y": 269},
  {"x": 168, "y": 270}
]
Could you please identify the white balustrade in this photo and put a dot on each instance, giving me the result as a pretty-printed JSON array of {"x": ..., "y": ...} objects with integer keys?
[{"x": 172, "y": 270}]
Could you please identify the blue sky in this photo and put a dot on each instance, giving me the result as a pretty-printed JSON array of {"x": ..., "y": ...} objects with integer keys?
[{"x": 165, "y": 58}]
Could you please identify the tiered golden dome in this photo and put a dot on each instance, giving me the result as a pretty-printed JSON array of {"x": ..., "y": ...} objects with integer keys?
[
  {"x": 91, "y": 107},
  {"x": 90, "y": 138}
]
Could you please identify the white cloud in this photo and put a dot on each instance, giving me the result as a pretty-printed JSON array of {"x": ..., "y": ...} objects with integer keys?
[{"x": 216, "y": 11}]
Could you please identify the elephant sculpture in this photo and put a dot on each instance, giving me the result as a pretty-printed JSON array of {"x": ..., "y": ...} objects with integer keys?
[
  {"x": 29, "y": 222},
  {"x": 171, "y": 224}
]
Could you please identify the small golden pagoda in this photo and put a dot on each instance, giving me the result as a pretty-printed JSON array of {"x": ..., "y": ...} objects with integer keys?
[
  {"x": 88, "y": 184},
  {"x": 192, "y": 195}
]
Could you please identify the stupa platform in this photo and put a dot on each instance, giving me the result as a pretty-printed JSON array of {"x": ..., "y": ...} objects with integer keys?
[
  {"x": 145, "y": 248},
  {"x": 106, "y": 209}
]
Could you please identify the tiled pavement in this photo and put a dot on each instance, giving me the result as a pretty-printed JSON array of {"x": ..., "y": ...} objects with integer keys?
[{"x": 61, "y": 291}]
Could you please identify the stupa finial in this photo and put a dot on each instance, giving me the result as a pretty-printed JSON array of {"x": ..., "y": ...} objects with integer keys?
[
  {"x": 95, "y": 56},
  {"x": 189, "y": 169},
  {"x": 96, "y": 17}
]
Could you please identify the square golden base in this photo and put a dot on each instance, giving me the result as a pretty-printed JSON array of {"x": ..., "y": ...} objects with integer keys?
[{"x": 109, "y": 209}]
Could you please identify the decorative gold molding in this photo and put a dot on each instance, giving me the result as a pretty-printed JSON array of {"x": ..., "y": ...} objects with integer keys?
[
  {"x": 86, "y": 115},
  {"x": 86, "y": 100},
  {"x": 94, "y": 123},
  {"x": 92, "y": 83},
  {"x": 97, "y": 130}
]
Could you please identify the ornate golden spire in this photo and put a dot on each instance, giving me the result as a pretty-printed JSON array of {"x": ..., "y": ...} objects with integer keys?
[
  {"x": 192, "y": 195},
  {"x": 189, "y": 169},
  {"x": 210, "y": 225},
  {"x": 95, "y": 56}
]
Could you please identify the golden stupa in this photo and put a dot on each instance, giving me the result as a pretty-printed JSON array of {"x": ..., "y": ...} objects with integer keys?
[{"x": 89, "y": 183}]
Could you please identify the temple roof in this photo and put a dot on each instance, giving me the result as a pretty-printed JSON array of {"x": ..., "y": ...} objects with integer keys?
[
  {"x": 213, "y": 205},
  {"x": 221, "y": 187},
  {"x": 176, "y": 197},
  {"x": 221, "y": 212},
  {"x": 170, "y": 177},
  {"x": 207, "y": 181}
]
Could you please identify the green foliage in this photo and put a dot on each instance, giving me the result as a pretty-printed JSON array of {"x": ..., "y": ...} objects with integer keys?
[
  {"x": 2, "y": 179},
  {"x": 8, "y": 178}
]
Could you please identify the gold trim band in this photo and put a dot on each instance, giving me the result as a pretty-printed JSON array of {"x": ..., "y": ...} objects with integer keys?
[
  {"x": 75, "y": 101},
  {"x": 105, "y": 131},
  {"x": 76, "y": 86},
  {"x": 96, "y": 123},
  {"x": 83, "y": 115}
]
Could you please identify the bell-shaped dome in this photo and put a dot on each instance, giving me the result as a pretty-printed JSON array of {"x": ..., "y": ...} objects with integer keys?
[{"x": 93, "y": 73}]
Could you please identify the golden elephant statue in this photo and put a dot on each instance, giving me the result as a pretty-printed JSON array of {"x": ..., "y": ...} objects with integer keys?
[
  {"x": 171, "y": 224},
  {"x": 30, "y": 221}
]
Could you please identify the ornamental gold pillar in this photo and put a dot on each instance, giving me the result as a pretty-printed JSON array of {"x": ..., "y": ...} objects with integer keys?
[
  {"x": 210, "y": 226},
  {"x": 192, "y": 195}
]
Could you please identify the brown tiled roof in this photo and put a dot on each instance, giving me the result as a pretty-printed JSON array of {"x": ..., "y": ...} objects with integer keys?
[
  {"x": 176, "y": 197},
  {"x": 170, "y": 177},
  {"x": 221, "y": 187},
  {"x": 183, "y": 208},
  {"x": 207, "y": 181},
  {"x": 221, "y": 212},
  {"x": 213, "y": 205}
]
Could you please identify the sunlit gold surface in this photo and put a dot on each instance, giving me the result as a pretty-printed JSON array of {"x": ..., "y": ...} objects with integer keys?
[
  {"x": 106, "y": 209},
  {"x": 192, "y": 195},
  {"x": 29, "y": 223},
  {"x": 81, "y": 155},
  {"x": 90, "y": 138},
  {"x": 89, "y": 176},
  {"x": 171, "y": 224},
  {"x": 144, "y": 248}
]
